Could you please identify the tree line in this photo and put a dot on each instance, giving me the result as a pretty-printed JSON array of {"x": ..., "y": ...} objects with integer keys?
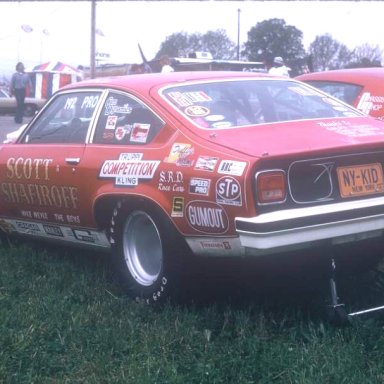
[{"x": 270, "y": 38}]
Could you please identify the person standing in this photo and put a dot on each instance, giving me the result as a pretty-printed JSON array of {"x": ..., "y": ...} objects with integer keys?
[
  {"x": 165, "y": 64},
  {"x": 19, "y": 84},
  {"x": 279, "y": 68}
]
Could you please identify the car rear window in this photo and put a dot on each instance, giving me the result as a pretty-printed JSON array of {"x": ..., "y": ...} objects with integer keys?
[{"x": 228, "y": 104}]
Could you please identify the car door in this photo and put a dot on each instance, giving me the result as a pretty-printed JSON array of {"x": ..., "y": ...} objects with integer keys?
[{"x": 42, "y": 180}]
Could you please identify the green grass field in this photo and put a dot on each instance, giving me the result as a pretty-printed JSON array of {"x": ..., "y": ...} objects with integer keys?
[{"x": 64, "y": 320}]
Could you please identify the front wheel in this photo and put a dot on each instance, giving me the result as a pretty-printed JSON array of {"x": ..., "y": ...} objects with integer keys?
[{"x": 143, "y": 246}]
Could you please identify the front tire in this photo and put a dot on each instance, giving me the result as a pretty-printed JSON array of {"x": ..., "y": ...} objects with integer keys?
[{"x": 143, "y": 246}]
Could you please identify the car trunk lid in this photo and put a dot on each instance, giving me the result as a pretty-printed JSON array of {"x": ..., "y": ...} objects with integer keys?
[{"x": 298, "y": 137}]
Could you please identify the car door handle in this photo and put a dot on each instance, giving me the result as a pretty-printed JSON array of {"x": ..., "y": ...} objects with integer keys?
[{"x": 72, "y": 160}]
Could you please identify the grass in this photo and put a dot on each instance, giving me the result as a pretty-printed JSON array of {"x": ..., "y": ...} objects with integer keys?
[{"x": 64, "y": 320}]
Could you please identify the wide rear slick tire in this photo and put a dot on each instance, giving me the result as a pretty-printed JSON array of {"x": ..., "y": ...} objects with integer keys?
[{"x": 142, "y": 246}]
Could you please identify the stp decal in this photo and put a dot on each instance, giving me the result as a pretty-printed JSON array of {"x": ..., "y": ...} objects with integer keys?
[{"x": 228, "y": 191}]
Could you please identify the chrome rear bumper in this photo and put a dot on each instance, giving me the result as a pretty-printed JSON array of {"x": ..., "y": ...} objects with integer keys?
[{"x": 338, "y": 223}]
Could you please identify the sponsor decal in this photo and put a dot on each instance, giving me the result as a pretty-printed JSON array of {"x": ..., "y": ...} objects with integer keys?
[
  {"x": 171, "y": 181},
  {"x": 214, "y": 118},
  {"x": 84, "y": 235},
  {"x": 207, "y": 217},
  {"x": 347, "y": 128},
  {"x": 108, "y": 135},
  {"x": 199, "y": 186},
  {"x": 303, "y": 91},
  {"x": 184, "y": 99},
  {"x": 53, "y": 230},
  {"x": 130, "y": 156},
  {"x": 27, "y": 227},
  {"x": 206, "y": 163},
  {"x": 128, "y": 169},
  {"x": 111, "y": 122},
  {"x": 180, "y": 154},
  {"x": 177, "y": 206},
  {"x": 217, "y": 245},
  {"x": 140, "y": 133},
  {"x": 196, "y": 111},
  {"x": 111, "y": 107},
  {"x": 122, "y": 131},
  {"x": 370, "y": 103},
  {"x": 128, "y": 172},
  {"x": 228, "y": 191},
  {"x": 221, "y": 124},
  {"x": 128, "y": 181},
  {"x": 230, "y": 167}
]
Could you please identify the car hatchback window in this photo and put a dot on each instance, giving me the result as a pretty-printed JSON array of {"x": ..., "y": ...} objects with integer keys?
[
  {"x": 126, "y": 120},
  {"x": 66, "y": 120},
  {"x": 229, "y": 104}
]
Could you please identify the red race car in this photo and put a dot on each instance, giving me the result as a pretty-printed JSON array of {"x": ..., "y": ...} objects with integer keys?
[
  {"x": 158, "y": 168},
  {"x": 362, "y": 88}
]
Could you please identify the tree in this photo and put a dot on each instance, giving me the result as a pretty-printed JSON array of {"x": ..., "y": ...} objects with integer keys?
[
  {"x": 271, "y": 38},
  {"x": 366, "y": 56},
  {"x": 216, "y": 42},
  {"x": 327, "y": 53},
  {"x": 173, "y": 44}
]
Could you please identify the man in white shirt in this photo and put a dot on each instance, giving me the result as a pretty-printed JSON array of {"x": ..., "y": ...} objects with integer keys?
[
  {"x": 165, "y": 64},
  {"x": 279, "y": 68}
]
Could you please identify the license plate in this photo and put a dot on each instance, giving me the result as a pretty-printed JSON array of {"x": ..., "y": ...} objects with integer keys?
[{"x": 360, "y": 180}]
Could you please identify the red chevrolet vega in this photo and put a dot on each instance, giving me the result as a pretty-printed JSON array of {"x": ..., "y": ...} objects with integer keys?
[{"x": 157, "y": 168}]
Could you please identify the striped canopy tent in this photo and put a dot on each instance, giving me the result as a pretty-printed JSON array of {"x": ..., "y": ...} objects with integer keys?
[{"x": 47, "y": 78}]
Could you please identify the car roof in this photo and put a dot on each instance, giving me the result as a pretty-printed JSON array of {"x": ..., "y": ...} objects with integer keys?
[
  {"x": 147, "y": 81},
  {"x": 350, "y": 75}
]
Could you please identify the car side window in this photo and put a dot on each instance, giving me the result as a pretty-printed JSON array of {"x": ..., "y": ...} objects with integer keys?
[
  {"x": 65, "y": 120},
  {"x": 126, "y": 120}
]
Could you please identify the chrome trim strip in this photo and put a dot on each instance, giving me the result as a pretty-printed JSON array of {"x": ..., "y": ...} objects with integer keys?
[{"x": 339, "y": 231}]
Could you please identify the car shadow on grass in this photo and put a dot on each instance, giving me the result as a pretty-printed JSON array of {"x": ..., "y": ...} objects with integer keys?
[{"x": 297, "y": 285}]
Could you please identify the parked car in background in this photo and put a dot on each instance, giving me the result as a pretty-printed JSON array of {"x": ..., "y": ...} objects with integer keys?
[
  {"x": 159, "y": 168},
  {"x": 361, "y": 87},
  {"x": 8, "y": 104}
]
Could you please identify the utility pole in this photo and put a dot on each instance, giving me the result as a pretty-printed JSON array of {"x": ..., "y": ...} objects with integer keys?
[
  {"x": 238, "y": 34},
  {"x": 93, "y": 39}
]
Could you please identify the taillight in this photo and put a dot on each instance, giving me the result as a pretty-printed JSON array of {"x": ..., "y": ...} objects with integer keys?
[{"x": 271, "y": 187}]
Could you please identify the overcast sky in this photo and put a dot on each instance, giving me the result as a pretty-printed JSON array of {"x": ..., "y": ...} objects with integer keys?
[{"x": 61, "y": 29}]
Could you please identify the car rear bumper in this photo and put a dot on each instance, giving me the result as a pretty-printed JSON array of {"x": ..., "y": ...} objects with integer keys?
[{"x": 301, "y": 227}]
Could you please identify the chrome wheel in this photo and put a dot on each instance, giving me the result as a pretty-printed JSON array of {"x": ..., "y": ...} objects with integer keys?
[{"x": 142, "y": 248}]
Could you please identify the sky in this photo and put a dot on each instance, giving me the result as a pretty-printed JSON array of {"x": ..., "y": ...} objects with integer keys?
[{"x": 60, "y": 30}]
